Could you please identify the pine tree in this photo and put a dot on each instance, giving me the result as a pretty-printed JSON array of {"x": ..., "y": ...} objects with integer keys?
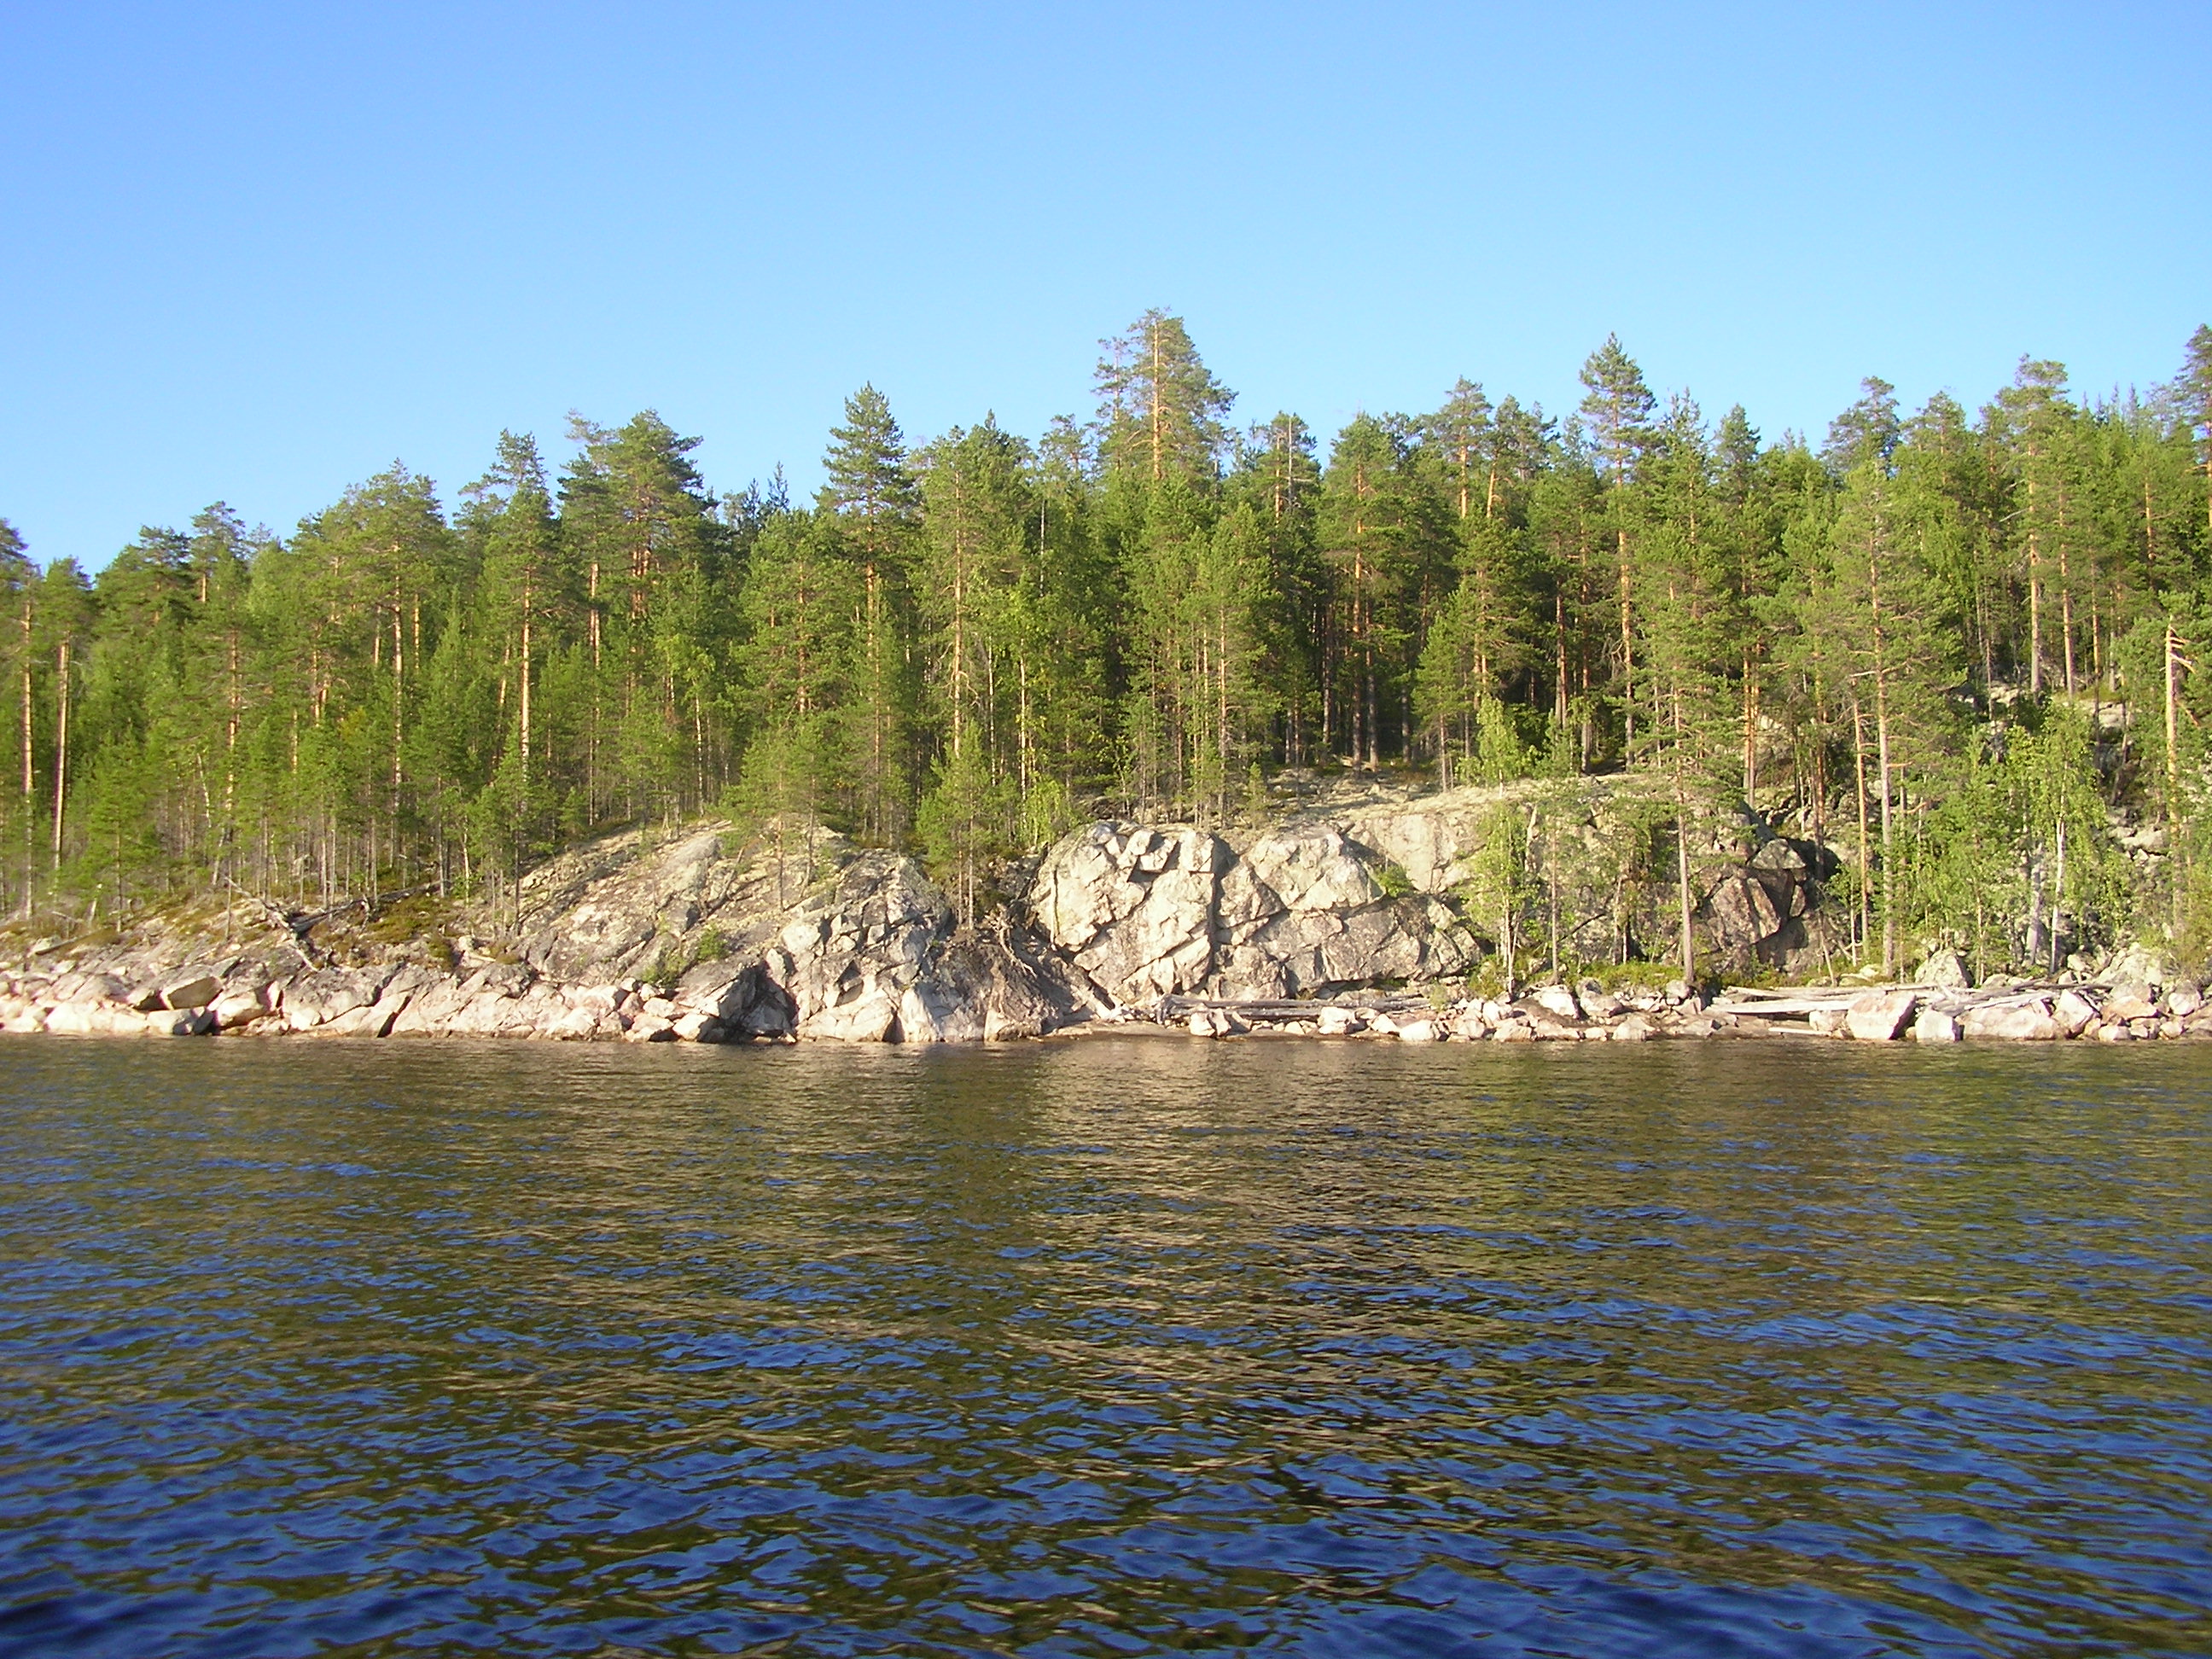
[
  {"x": 869, "y": 486},
  {"x": 1618, "y": 406},
  {"x": 1159, "y": 406}
]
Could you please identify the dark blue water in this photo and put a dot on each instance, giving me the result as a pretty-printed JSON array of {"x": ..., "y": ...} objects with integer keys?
[{"x": 1114, "y": 1347}]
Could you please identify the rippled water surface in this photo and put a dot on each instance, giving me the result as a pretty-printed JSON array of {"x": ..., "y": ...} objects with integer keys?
[{"x": 1121, "y": 1346}]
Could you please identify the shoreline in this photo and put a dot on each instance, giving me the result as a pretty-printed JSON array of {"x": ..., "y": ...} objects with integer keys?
[{"x": 239, "y": 996}]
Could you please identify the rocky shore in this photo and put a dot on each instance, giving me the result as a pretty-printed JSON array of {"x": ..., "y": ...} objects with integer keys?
[{"x": 1349, "y": 916}]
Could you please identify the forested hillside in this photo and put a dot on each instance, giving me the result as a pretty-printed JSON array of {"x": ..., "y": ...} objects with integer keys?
[{"x": 1964, "y": 646}]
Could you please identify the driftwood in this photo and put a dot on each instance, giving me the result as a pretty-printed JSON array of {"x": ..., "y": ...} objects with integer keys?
[
  {"x": 1173, "y": 1010},
  {"x": 1761, "y": 1002}
]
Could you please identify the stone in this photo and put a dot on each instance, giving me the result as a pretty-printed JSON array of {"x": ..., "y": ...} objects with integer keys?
[
  {"x": 580, "y": 1025},
  {"x": 694, "y": 1027},
  {"x": 1132, "y": 905},
  {"x": 1336, "y": 1022},
  {"x": 1880, "y": 1016},
  {"x": 193, "y": 991},
  {"x": 989, "y": 986},
  {"x": 1597, "y": 1002},
  {"x": 650, "y": 1028},
  {"x": 1515, "y": 1030},
  {"x": 1558, "y": 1000},
  {"x": 1934, "y": 1026},
  {"x": 1829, "y": 1022},
  {"x": 82, "y": 1018},
  {"x": 2075, "y": 1012},
  {"x": 1419, "y": 1030},
  {"x": 2132, "y": 999},
  {"x": 2141, "y": 964},
  {"x": 1469, "y": 1026},
  {"x": 180, "y": 1022},
  {"x": 1779, "y": 856},
  {"x": 1306, "y": 908},
  {"x": 1740, "y": 916},
  {"x": 1634, "y": 1028},
  {"x": 323, "y": 996},
  {"x": 2021, "y": 1022},
  {"x": 1945, "y": 971},
  {"x": 2115, "y": 1033},
  {"x": 234, "y": 1011},
  {"x": 372, "y": 1021},
  {"x": 2172, "y": 1029},
  {"x": 1201, "y": 1022},
  {"x": 2184, "y": 999}
]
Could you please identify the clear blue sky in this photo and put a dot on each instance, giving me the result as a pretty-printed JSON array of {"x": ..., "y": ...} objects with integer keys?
[{"x": 257, "y": 253}]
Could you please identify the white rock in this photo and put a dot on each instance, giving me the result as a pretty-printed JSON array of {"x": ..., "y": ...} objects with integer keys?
[
  {"x": 1880, "y": 1016},
  {"x": 193, "y": 991},
  {"x": 2075, "y": 1012},
  {"x": 2132, "y": 999},
  {"x": 1934, "y": 1026},
  {"x": 1418, "y": 1031},
  {"x": 235, "y": 1010},
  {"x": 180, "y": 1022},
  {"x": 1945, "y": 970},
  {"x": 1557, "y": 999},
  {"x": 2028, "y": 1022}
]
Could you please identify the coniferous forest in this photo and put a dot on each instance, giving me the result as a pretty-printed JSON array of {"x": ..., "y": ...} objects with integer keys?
[{"x": 1970, "y": 648}]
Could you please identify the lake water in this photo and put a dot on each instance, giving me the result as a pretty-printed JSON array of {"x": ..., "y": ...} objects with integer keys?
[{"x": 1121, "y": 1345}]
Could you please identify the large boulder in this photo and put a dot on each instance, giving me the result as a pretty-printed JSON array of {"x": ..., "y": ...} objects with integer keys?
[
  {"x": 192, "y": 990},
  {"x": 1880, "y": 1016},
  {"x": 2018, "y": 1022},
  {"x": 1133, "y": 906},
  {"x": 1306, "y": 909},
  {"x": 329, "y": 993},
  {"x": 980, "y": 987},
  {"x": 852, "y": 948}
]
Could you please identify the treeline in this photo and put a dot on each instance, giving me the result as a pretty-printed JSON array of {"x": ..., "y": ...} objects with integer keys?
[{"x": 1905, "y": 639}]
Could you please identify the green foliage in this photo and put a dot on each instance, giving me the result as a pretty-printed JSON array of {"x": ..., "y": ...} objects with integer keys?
[{"x": 1926, "y": 628}]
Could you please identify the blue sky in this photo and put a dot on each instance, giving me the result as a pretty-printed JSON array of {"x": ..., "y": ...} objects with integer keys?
[{"x": 258, "y": 252}]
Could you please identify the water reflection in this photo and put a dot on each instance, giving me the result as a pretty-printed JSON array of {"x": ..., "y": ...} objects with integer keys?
[{"x": 1115, "y": 1346}]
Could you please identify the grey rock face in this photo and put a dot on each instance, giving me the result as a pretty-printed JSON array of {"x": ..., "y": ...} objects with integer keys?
[
  {"x": 1148, "y": 912},
  {"x": 1133, "y": 906},
  {"x": 1305, "y": 909}
]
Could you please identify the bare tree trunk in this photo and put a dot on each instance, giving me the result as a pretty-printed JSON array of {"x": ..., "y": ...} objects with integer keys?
[
  {"x": 1858, "y": 760},
  {"x": 1682, "y": 882},
  {"x": 61, "y": 750},
  {"x": 526, "y": 602}
]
